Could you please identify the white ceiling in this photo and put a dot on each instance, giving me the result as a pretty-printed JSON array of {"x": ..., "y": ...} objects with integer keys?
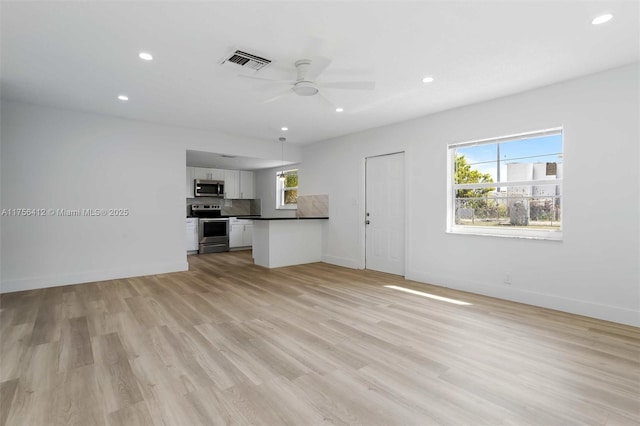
[
  {"x": 225, "y": 161},
  {"x": 81, "y": 55}
]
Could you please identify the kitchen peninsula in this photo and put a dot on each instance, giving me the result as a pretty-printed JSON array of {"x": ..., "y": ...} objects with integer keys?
[{"x": 281, "y": 242}]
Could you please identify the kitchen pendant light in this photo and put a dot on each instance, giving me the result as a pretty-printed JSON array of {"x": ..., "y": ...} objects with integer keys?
[{"x": 281, "y": 174}]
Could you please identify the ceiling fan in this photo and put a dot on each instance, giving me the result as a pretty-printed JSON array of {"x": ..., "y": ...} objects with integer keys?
[{"x": 305, "y": 84}]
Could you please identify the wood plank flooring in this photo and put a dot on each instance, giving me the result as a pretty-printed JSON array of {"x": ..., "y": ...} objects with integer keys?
[{"x": 232, "y": 343}]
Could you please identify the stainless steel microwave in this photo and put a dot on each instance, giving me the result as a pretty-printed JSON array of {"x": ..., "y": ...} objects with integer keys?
[{"x": 208, "y": 188}]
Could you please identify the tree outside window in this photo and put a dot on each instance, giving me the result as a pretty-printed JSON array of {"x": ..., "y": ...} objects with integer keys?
[{"x": 287, "y": 189}]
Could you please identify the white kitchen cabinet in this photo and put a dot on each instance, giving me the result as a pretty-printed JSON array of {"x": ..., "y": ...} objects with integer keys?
[
  {"x": 216, "y": 174},
  {"x": 236, "y": 236},
  {"x": 207, "y": 174},
  {"x": 247, "y": 185},
  {"x": 241, "y": 233},
  {"x": 190, "y": 182},
  {"x": 231, "y": 184},
  {"x": 239, "y": 184},
  {"x": 192, "y": 234},
  {"x": 247, "y": 235},
  {"x": 200, "y": 173}
]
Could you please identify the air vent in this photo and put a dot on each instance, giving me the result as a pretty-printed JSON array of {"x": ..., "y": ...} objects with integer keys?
[{"x": 247, "y": 60}]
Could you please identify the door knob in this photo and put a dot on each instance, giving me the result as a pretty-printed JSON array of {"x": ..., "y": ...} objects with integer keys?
[{"x": 367, "y": 222}]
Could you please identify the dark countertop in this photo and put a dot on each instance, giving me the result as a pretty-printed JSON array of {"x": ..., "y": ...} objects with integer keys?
[
  {"x": 290, "y": 218},
  {"x": 227, "y": 217},
  {"x": 256, "y": 217}
]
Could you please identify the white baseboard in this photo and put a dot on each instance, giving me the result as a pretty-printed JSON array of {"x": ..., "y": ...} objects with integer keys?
[
  {"x": 574, "y": 306},
  {"x": 32, "y": 283},
  {"x": 342, "y": 261}
]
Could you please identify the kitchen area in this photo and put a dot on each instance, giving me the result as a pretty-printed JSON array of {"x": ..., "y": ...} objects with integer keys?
[
  {"x": 220, "y": 208},
  {"x": 223, "y": 213}
]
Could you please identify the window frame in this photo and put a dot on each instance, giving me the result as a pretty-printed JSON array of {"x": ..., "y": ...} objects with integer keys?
[
  {"x": 280, "y": 190},
  {"x": 515, "y": 232}
]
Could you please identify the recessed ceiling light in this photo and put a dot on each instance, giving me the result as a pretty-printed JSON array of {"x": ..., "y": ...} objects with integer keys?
[
  {"x": 427, "y": 79},
  {"x": 123, "y": 97},
  {"x": 146, "y": 56},
  {"x": 602, "y": 19},
  {"x": 284, "y": 129},
  {"x": 339, "y": 109}
]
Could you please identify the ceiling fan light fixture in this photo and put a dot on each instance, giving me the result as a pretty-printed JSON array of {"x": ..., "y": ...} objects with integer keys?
[{"x": 305, "y": 88}]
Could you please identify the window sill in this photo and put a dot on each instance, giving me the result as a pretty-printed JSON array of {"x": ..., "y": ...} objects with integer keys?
[
  {"x": 508, "y": 233},
  {"x": 291, "y": 207}
]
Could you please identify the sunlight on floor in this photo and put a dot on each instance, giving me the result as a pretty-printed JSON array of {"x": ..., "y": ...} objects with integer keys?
[{"x": 431, "y": 296}]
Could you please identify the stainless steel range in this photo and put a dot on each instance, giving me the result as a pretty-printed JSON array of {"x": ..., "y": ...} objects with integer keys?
[{"x": 213, "y": 230}]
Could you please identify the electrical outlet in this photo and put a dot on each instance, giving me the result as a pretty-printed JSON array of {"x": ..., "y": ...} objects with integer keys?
[{"x": 507, "y": 279}]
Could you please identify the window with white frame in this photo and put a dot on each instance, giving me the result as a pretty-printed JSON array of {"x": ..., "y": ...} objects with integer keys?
[
  {"x": 507, "y": 186},
  {"x": 287, "y": 189}
]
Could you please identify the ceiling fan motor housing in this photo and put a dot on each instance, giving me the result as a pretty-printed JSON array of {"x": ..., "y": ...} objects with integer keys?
[
  {"x": 302, "y": 67},
  {"x": 303, "y": 87}
]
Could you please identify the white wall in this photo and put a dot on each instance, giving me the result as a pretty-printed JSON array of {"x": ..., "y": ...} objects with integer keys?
[
  {"x": 266, "y": 191},
  {"x": 54, "y": 158},
  {"x": 594, "y": 271}
]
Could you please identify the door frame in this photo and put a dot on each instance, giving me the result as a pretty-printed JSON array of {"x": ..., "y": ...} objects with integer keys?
[{"x": 363, "y": 210}]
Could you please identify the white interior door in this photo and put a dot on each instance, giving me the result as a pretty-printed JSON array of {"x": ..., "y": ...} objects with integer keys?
[{"x": 384, "y": 216}]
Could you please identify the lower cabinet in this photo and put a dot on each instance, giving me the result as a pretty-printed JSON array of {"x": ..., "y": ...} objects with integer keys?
[
  {"x": 240, "y": 233},
  {"x": 247, "y": 235},
  {"x": 235, "y": 236},
  {"x": 192, "y": 234}
]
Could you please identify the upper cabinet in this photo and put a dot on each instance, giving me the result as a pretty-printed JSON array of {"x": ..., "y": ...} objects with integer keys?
[
  {"x": 247, "y": 184},
  {"x": 238, "y": 184},
  {"x": 231, "y": 184},
  {"x": 190, "y": 182},
  {"x": 207, "y": 174}
]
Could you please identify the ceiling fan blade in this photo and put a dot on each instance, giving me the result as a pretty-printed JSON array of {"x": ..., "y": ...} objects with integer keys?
[
  {"x": 349, "y": 85},
  {"x": 278, "y": 96},
  {"x": 271, "y": 80},
  {"x": 317, "y": 65},
  {"x": 325, "y": 100}
]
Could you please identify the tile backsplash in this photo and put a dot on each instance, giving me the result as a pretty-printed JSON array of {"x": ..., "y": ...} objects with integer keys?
[
  {"x": 241, "y": 207},
  {"x": 229, "y": 207},
  {"x": 313, "y": 205}
]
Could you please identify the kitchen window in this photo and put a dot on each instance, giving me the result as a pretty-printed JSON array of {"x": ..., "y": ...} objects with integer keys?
[
  {"x": 287, "y": 189},
  {"x": 507, "y": 186}
]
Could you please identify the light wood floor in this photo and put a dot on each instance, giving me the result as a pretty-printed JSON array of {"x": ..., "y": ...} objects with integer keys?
[{"x": 229, "y": 342}]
